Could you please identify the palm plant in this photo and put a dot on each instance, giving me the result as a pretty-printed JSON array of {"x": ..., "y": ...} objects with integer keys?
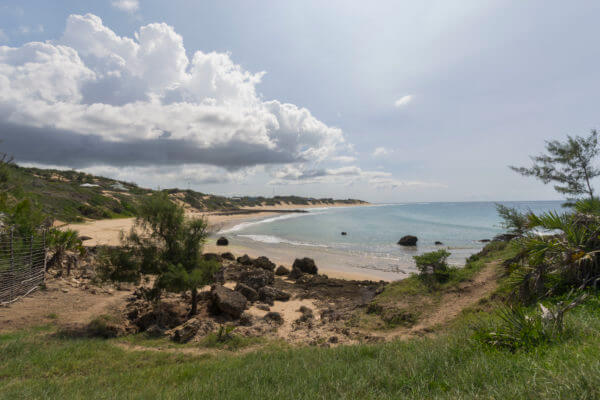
[{"x": 61, "y": 242}]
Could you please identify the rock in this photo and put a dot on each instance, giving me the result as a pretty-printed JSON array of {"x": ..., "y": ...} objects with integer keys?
[
  {"x": 307, "y": 314},
  {"x": 246, "y": 319},
  {"x": 281, "y": 270},
  {"x": 333, "y": 339},
  {"x": 155, "y": 331},
  {"x": 228, "y": 256},
  {"x": 408, "y": 240},
  {"x": 438, "y": 243},
  {"x": 330, "y": 315},
  {"x": 306, "y": 265},
  {"x": 192, "y": 328},
  {"x": 485, "y": 240},
  {"x": 64, "y": 290},
  {"x": 264, "y": 263},
  {"x": 228, "y": 301},
  {"x": 247, "y": 291},
  {"x": 84, "y": 238},
  {"x": 257, "y": 278},
  {"x": 344, "y": 233},
  {"x": 296, "y": 273},
  {"x": 245, "y": 260},
  {"x": 222, "y": 241},
  {"x": 268, "y": 294},
  {"x": 211, "y": 257},
  {"x": 274, "y": 317}
]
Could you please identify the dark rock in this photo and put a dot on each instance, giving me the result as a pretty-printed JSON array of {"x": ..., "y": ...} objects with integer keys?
[
  {"x": 281, "y": 270},
  {"x": 438, "y": 243},
  {"x": 228, "y": 301},
  {"x": 333, "y": 339},
  {"x": 246, "y": 319},
  {"x": 192, "y": 328},
  {"x": 245, "y": 260},
  {"x": 211, "y": 257},
  {"x": 268, "y": 294},
  {"x": 83, "y": 238},
  {"x": 257, "y": 278},
  {"x": 219, "y": 276},
  {"x": 247, "y": 291},
  {"x": 344, "y": 233},
  {"x": 484, "y": 241},
  {"x": 222, "y": 241},
  {"x": 296, "y": 273},
  {"x": 228, "y": 256},
  {"x": 155, "y": 331},
  {"x": 408, "y": 240},
  {"x": 306, "y": 265},
  {"x": 504, "y": 237},
  {"x": 264, "y": 263},
  {"x": 307, "y": 314},
  {"x": 274, "y": 317}
]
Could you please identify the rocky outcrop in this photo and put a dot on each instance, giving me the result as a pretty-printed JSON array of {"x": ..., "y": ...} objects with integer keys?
[
  {"x": 222, "y": 241},
  {"x": 228, "y": 301},
  {"x": 303, "y": 266},
  {"x": 269, "y": 294},
  {"x": 281, "y": 270},
  {"x": 257, "y": 278},
  {"x": 211, "y": 257},
  {"x": 408, "y": 240},
  {"x": 248, "y": 292},
  {"x": 244, "y": 260},
  {"x": 192, "y": 328},
  {"x": 264, "y": 263},
  {"x": 228, "y": 256}
]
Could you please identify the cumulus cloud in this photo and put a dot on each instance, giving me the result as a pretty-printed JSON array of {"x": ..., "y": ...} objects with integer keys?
[
  {"x": 344, "y": 159},
  {"x": 126, "y": 5},
  {"x": 381, "y": 151},
  {"x": 95, "y": 98},
  {"x": 402, "y": 101}
]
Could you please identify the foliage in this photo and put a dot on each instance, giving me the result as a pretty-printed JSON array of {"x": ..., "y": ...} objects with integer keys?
[
  {"x": 164, "y": 243},
  {"x": 569, "y": 164},
  {"x": 587, "y": 206},
  {"x": 61, "y": 241},
  {"x": 512, "y": 219},
  {"x": 433, "y": 265}
]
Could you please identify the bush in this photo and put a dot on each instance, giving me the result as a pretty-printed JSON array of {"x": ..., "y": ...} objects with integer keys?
[{"x": 433, "y": 265}]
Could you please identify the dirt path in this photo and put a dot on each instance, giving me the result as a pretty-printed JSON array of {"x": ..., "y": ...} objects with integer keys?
[
  {"x": 63, "y": 302},
  {"x": 453, "y": 302}
]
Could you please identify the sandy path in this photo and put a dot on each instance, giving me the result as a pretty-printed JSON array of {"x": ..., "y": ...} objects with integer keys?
[{"x": 453, "y": 303}]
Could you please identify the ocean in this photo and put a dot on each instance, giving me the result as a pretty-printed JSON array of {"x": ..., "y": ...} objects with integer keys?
[{"x": 373, "y": 232}]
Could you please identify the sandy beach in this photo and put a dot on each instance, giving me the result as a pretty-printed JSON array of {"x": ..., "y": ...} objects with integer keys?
[{"x": 338, "y": 265}]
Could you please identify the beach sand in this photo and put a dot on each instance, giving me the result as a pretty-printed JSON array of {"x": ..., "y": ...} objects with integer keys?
[{"x": 334, "y": 264}]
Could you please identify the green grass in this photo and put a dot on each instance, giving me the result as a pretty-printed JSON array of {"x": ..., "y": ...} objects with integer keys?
[{"x": 38, "y": 364}]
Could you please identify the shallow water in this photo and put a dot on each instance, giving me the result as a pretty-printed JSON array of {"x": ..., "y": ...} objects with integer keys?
[{"x": 373, "y": 231}]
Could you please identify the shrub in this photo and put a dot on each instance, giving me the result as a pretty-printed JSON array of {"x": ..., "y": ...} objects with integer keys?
[{"x": 433, "y": 265}]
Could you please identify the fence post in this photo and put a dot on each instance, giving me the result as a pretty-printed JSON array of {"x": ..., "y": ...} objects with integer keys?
[{"x": 12, "y": 265}]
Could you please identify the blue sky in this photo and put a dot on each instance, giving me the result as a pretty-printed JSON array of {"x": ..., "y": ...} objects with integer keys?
[{"x": 391, "y": 102}]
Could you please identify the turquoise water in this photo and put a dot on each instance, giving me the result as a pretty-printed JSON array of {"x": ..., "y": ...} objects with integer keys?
[{"x": 375, "y": 230}]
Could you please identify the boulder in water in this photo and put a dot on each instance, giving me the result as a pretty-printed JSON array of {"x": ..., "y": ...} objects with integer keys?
[{"x": 408, "y": 240}]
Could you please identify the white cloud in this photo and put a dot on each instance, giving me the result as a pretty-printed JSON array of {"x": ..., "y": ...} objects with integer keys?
[
  {"x": 126, "y": 5},
  {"x": 25, "y": 29},
  {"x": 402, "y": 101},
  {"x": 93, "y": 86},
  {"x": 344, "y": 159},
  {"x": 381, "y": 151}
]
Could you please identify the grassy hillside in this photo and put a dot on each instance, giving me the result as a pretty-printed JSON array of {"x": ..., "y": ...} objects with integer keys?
[
  {"x": 42, "y": 362},
  {"x": 73, "y": 196}
]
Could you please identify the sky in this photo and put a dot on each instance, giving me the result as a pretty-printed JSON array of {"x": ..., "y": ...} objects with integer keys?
[{"x": 387, "y": 101}]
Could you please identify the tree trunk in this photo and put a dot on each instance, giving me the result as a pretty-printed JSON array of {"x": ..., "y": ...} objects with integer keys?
[{"x": 194, "y": 309}]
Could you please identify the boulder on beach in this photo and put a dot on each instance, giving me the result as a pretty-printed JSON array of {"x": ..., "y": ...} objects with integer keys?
[
  {"x": 281, "y": 270},
  {"x": 257, "y": 278},
  {"x": 268, "y": 294},
  {"x": 247, "y": 291},
  {"x": 438, "y": 243},
  {"x": 228, "y": 256},
  {"x": 408, "y": 240},
  {"x": 83, "y": 238},
  {"x": 244, "y": 260},
  {"x": 264, "y": 263},
  {"x": 222, "y": 241},
  {"x": 344, "y": 233},
  {"x": 228, "y": 301},
  {"x": 306, "y": 265}
]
